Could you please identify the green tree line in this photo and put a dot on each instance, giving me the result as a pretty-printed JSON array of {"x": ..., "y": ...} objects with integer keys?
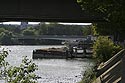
[{"x": 7, "y": 32}]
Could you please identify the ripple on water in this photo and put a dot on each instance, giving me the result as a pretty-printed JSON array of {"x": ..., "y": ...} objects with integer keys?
[{"x": 50, "y": 70}]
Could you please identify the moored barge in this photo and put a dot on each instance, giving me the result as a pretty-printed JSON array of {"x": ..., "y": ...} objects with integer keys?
[{"x": 50, "y": 53}]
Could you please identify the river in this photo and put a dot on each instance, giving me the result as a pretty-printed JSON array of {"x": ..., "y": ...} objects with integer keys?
[{"x": 50, "y": 70}]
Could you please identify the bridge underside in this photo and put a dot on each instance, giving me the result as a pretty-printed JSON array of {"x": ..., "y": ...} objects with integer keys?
[{"x": 45, "y": 10}]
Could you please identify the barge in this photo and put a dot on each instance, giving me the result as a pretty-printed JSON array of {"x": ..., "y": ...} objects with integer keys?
[
  {"x": 51, "y": 53},
  {"x": 60, "y": 53}
]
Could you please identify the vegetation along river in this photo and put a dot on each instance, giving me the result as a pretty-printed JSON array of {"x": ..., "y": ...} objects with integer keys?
[{"x": 50, "y": 70}]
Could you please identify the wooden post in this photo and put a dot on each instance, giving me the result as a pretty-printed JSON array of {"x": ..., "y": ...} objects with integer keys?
[
  {"x": 123, "y": 69},
  {"x": 75, "y": 52}
]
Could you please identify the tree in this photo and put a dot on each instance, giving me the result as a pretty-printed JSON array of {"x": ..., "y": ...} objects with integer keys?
[
  {"x": 29, "y": 31},
  {"x": 11, "y": 28},
  {"x": 6, "y": 37},
  {"x": 59, "y": 29},
  {"x": 112, "y": 12},
  {"x": 104, "y": 48},
  {"x": 2, "y": 30},
  {"x": 87, "y": 31}
]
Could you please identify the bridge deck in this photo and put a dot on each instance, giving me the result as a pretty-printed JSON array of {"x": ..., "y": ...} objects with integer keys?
[
  {"x": 55, "y": 37},
  {"x": 45, "y": 10}
]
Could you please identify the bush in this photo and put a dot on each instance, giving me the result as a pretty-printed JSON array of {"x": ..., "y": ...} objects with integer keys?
[
  {"x": 3, "y": 64},
  {"x": 6, "y": 37},
  {"x": 89, "y": 76},
  {"x": 104, "y": 48},
  {"x": 25, "y": 73}
]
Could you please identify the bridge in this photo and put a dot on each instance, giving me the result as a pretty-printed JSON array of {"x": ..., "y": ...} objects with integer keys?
[
  {"x": 46, "y": 39},
  {"x": 51, "y": 37},
  {"x": 45, "y": 11},
  {"x": 61, "y": 11}
]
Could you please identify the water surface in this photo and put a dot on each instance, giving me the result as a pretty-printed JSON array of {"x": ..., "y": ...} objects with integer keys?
[{"x": 50, "y": 70}]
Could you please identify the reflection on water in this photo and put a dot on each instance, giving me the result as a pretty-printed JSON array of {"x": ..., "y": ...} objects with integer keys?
[{"x": 50, "y": 70}]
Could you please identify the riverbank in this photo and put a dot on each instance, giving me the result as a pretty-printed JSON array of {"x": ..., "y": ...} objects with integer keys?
[{"x": 111, "y": 71}]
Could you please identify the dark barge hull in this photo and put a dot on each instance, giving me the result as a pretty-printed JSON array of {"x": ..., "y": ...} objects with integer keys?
[
  {"x": 58, "y": 53},
  {"x": 49, "y": 54}
]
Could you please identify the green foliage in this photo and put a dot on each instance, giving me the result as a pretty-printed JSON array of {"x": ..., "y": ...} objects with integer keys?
[
  {"x": 94, "y": 30},
  {"x": 11, "y": 28},
  {"x": 59, "y": 29},
  {"x": 10, "y": 33},
  {"x": 104, "y": 48},
  {"x": 2, "y": 30},
  {"x": 6, "y": 37},
  {"x": 87, "y": 31},
  {"x": 3, "y": 64},
  {"x": 28, "y": 31},
  {"x": 90, "y": 30},
  {"x": 25, "y": 73},
  {"x": 111, "y": 11},
  {"x": 89, "y": 76},
  {"x": 117, "y": 30}
]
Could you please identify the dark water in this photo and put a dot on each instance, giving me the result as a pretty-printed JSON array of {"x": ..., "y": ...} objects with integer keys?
[{"x": 51, "y": 70}]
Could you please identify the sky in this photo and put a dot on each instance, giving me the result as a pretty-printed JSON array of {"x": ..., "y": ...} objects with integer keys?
[{"x": 18, "y": 23}]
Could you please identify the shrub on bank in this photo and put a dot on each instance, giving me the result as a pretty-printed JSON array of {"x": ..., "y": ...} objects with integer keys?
[
  {"x": 25, "y": 73},
  {"x": 89, "y": 76},
  {"x": 104, "y": 48}
]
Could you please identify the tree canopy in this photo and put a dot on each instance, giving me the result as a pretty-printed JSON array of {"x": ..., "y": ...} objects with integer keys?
[
  {"x": 112, "y": 10},
  {"x": 113, "y": 13}
]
